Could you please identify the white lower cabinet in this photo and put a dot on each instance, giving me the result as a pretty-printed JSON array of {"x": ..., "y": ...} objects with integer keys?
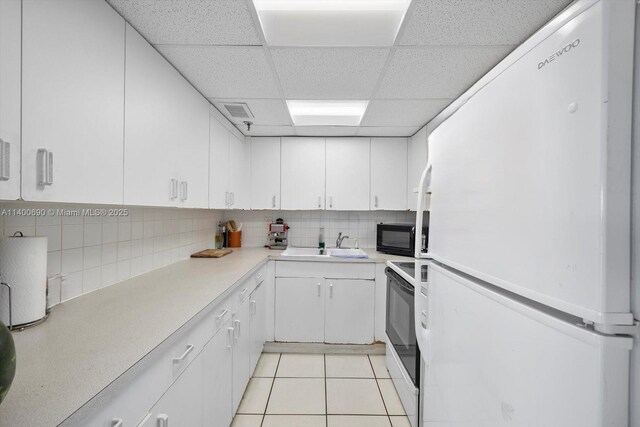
[
  {"x": 258, "y": 305},
  {"x": 348, "y": 311},
  {"x": 299, "y": 309},
  {"x": 240, "y": 322},
  {"x": 217, "y": 359}
]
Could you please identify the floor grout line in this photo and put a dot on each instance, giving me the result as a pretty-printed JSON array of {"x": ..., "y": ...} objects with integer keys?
[
  {"x": 380, "y": 391},
  {"x": 326, "y": 393},
  {"x": 273, "y": 381}
]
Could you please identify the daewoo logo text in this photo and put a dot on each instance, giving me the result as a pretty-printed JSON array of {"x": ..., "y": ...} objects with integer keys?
[{"x": 566, "y": 49}]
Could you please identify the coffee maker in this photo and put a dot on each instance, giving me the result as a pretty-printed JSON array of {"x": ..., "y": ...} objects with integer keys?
[{"x": 277, "y": 238}]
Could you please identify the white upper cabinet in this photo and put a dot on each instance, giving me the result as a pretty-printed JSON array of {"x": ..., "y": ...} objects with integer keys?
[
  {"x": 417, "y": 161},
  {"x": 348, "y": 174},
  {"x": 10, "y": 22},
  {"x": 265, "y": 173},
  {"x": 218, "y": 164},
  {"x": 239, "y": 173},
  {"x": 303, "y": 173},
  {"x": 166, "y": 132},
  {"x": 388, "y": 174},
  {"x": 72, "y": 101}
]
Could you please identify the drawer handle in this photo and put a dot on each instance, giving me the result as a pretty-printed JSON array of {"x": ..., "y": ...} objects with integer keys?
[
  {"x": 253, "y": 307},
  {"x": 185, "y": 354},
  {"x": 423, "y": 320},
  {"x": 238, "y": 323},
  {"x": 423, "y": 290},
  {"x": 244, "y": 291},
  {"x": 259, "y": 276},
  {"x": 221, "y": 315},
  {"x": 116, "y": 422},
  {"x": 229, "y": 337},
  {"x": 163, "y": 420}
]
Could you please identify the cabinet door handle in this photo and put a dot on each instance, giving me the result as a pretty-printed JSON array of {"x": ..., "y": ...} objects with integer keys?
[
  {"x": 229, "y": 337},
  {"x": 319, "y": 288},
  {"x": 330, "y": 290},
  {"x": 330, "y": 201},
  {"x": 173, "y": 189},
  {"x": 423, "y": 320},
  {"x": 226, "y": 198},
  {"x": 375, "y": 201},
  {"x": 163, "y": 420},
  {"x": 183, "y": 355},
  {"x": 221, "y": 315},
  {"x": 5, "y": 161},
  {"x": 253, "y": 307},
  {"x": 319, "y": 201},
  {"x": 237, "y": 328},
  {"x": 116, "y": 422},
  {"x": 233, "y": 198},
  {"x": 45, "y": 167},
  {"x": 183, "y": 190},
  {"x": 273, "y": 201}
]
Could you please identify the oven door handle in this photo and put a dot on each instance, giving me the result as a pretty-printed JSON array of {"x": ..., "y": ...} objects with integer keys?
[{"x": 399, "y": 281}]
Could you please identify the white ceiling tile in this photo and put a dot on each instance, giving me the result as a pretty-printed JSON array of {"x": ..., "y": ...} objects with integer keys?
[
  {"x": 268, "y": 130},
  {"x": 219, "y": 22},
  {"x": 388, "y": 131},
  {"x": 266, "y": 111},
  {"x": 477, "y": 22},
  {"x": 224, "y": 72},
  {"x": 415, "y": 112},
  {"x": 329, "y": 73},
  {"x": 326, "y": 130},
  {"x": 438, "y": 72}
]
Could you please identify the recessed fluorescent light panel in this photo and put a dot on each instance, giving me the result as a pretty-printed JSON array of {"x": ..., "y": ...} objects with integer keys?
[
  {"x": 327, "y": 113},
  {"x": 331, "y": 22}
]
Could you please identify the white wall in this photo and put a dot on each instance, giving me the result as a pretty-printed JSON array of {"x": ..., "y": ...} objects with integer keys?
[
  {"x": 94, "y": 252},
  {"x": 305, "y": 225}
]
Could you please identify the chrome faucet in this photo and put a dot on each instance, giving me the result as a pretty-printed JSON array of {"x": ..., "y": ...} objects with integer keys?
[{"x": 340, "y": 239}]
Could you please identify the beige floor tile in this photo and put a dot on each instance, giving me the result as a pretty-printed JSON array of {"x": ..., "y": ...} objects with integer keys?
[
  {"x": 379, "y": 363},
  {"x": 267, "y": 365},
  {"x": 391, "y": 398},
  {"x": 358, "y": 421},
  {"x": 255, "y": 396},
  {"x": 348, "y": 366},
  {"x": 298, "y": 396},
  {"x": 354, "y": 396},
  {"x": 301, "y": 366},
  {"x": 400, "y": 421},
  {"x": 294, "y": 421},
  {"x": 247, "y": 421}
]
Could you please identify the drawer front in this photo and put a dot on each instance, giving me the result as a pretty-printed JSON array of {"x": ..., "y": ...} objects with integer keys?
[{"x": 330, "y": 270}]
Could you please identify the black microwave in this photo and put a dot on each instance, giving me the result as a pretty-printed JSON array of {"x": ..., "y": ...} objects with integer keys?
[{"x": 400, "y": 239}]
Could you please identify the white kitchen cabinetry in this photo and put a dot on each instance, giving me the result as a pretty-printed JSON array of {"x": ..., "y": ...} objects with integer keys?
[
  {"x": 258, "y": 304},
  {"x": 303, "y": 173},
  {"x": 241, "y": 321},
  {"x": 348, "y": 166},
  {"x": 239, "y": 173},
  {"x": 218, "y": 164},
  {"x": 265, "y": 173},
  {"x": 299, "y": 312},
  {"x": 182, "y": 403},
  {"x": 416, "y": 160},
  {"x": 73, "y": 57},
  {"x": 348, "y": 314},
  {"x": 166, "y": 132},
  {"x": 10, "y": 24},
  {"x": 389, "y": 174},
  {"x": 217, "y": 359}
]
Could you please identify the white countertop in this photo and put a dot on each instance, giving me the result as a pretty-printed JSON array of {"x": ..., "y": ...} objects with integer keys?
[{"x": 88, "y": 342}]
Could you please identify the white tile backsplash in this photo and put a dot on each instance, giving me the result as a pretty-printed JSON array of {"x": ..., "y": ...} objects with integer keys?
[
  {"x": 91, "y": 252},
  {"x": 305, "y": 225}
]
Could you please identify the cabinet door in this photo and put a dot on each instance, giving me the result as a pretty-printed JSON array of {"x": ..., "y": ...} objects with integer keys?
[
  {"x": 388, "y": 174},
  {"x": 417, "y": 161},
  {"x": 217, "y": 376},
  {"x": 348, "y": 173},
  {"x": 182, "y": 403},
  {"x": 10, "y": 24},
  {"x": 265, "y": 173},
  {"x": 218, "y": 165},
  {"x": 303, "y": 173},
  {"x": 152, "y": 131},
  {"x": 72, "y": 100},
  {"x": 349, "y": 316},
  {"x": 239, "y": 173},
  {"x": 299, "y": 309},
  {"x": 241, "y": 321},
  {"x": 258, "y": 328}
]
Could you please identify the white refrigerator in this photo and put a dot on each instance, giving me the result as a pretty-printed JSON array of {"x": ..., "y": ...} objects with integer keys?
[{"x": 526, "y": 319}]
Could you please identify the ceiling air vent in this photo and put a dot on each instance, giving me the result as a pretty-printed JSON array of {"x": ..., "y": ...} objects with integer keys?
[{"x": 238, "y": 110}]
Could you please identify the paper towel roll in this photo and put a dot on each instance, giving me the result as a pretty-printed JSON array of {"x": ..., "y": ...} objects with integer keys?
[{"x": 23, "y": 265}]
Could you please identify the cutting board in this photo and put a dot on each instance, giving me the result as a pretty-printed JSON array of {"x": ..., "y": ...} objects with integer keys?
[{"x": 211, "y": 253}]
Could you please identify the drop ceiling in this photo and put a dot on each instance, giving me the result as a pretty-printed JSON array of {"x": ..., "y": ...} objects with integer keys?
[{"x": 442, "y": 48}]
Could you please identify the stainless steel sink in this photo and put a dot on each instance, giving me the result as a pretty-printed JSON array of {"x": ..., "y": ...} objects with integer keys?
[{"x": 334, "y": 252}]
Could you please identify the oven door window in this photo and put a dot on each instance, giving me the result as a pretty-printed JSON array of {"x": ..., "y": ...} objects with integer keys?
[
  {"x": 400, "y": 323},
  {"x": 396, "y": 239}
]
